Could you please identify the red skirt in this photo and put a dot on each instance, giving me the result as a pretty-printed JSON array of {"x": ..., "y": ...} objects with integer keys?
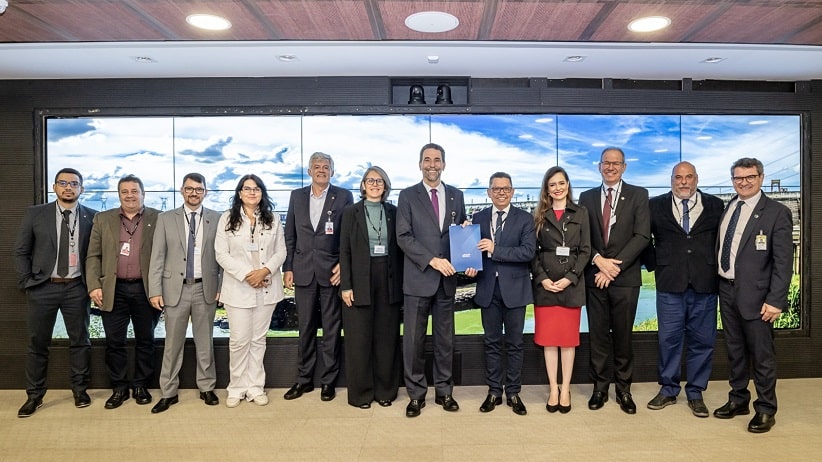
[{"x": 556, "y": 326}]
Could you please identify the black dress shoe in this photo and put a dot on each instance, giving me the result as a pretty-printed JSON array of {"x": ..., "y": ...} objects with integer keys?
[
  {"x": 414, "y": 407},
  {"x": 297, "y": 390},
  {"x": 516, "y": 404},
  {"x": 660, "y": 401},
  {"x": 598, "y": 399},
  {"x": 731, "y": 409},
  {"x": 141, "y": 395},
  {"x": 490, "y": 403},
  {"x": 448, "y": 403},
  {"x": 164, "y": 404},
  {"x": 116, "y": 399},
  {"x": 698, "y": 407},
  {"x": 761, "y": 423},
  {"x": 362, "y": 406},
  {"x": 384, "y": 402},
  {"x": 81, "y": 399},
  {"x": 328, "y": 393},
  {"x": 210, "y": 398},
  {"x": 626, "y": 402},
  {"x": 28, "y": 408}
]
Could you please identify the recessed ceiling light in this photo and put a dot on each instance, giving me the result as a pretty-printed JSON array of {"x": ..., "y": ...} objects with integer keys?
[
  {"x": 432, "y": 22},
  {"x": 287, "y": 58},
  {"x": 713, "y": 60},
  {"x": 432, "y": 59},
  {"x": 649, "y": 24},
  {"x": 208, "y": 22},
  {"x": 574, "y": 59},
  {"x": 144, "y": 59}
]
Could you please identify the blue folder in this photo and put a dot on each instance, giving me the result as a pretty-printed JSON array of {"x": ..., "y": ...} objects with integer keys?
[{"x": 464, "y": 251}]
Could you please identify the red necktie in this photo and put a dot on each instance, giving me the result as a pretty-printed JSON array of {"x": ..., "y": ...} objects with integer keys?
[{"x": 435, "y": 202}]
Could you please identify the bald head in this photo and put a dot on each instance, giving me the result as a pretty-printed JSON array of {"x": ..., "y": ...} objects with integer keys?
[{"x": 684, "y": 180}]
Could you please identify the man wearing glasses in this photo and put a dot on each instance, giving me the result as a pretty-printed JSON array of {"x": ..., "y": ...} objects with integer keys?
[
  {"x": 755, "y": 268},
  {"x": 508, "y": 244},
  {"x": 620, "y": 231},
  {"x": 184, "y": 280},
  {"x": 49, "y": 257}
]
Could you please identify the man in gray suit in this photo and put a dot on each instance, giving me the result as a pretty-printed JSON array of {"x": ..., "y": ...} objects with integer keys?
[
  {"x": 184, "y": 280},
  {"x": 49, "y": 257},
  {"x": 425, "y": 212}
]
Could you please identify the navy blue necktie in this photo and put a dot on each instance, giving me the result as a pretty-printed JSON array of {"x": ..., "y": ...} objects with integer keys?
[
  {"x": 498, "y": 228},
  {"x": 686, "y": 226},
  {"x": 725, "y": 260}
]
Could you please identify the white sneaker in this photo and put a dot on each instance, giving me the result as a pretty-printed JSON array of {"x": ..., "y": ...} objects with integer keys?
[
  {"x": 260, "y": 400},
  {"x": 232, "y": 402}
]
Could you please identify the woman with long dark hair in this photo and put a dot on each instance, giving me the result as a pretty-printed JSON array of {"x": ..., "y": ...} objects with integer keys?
[
  {"x": 250, "y": 246},
  {"x": 563, "y": 251}
]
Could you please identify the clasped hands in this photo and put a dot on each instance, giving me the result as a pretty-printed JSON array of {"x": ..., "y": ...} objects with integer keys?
[{"x": 608, "y": 271}]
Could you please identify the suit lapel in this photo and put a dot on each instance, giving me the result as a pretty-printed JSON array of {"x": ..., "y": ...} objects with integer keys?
[
  {"x": 180, "y": 224},
  {"x": 425, "y": 204},
  {"x": 361, "y": 219},
  {"x": 753, "y": 221}
]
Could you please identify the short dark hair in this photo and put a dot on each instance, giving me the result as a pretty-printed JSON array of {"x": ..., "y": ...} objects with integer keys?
[
  {"x": 433, "y": 146},
  {"x": 500, "y": 175},
  {"x": 196, "y": 177},
  {"x": 613, "y": 148},
  {"x": 748, "y": 162},
  {"x": 70, "y": 171},
  {"x": 130, "y": 178}
]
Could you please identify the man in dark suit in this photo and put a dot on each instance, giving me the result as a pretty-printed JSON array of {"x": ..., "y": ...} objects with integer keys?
[
  {"x": 508, "y": 244},
  {"x": 119, "y": 254},
  {"x": 425, "y": 212},
  {"x": 49, "y": 257},
  {"x": 184, "y": 280},
  {"x": 755, "y": 267},
  {"x": 620, "y": 231},
  {"x": 684, "y": 225},
  {"x": 312, "y": 268}
]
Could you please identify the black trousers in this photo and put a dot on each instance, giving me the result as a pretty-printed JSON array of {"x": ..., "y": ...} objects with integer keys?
[
  {"x": 45, "y": 299},
  {"x": 495, "y": 316},
  {"x": 327, "y": 298},
  {"x": 372, "y": 336},
  {"x": 611, "y": 313},
  {"x": 130, "y": 305}
]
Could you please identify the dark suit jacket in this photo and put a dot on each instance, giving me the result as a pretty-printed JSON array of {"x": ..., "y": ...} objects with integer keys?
[
  {"x": 355, "y": 254},
  {"x": 629, "y": 235},
  {"x": 511, "y": 259},
  {"x": 310, "y": 252},
  {"x": 104, "y": 250},
  {"x": 35, "y": 251},
  {"x": 763, "y": 276},
  {"x": 168, "y": 256},
  {"x": 680, "y": 259},
  {"x": 421, "y": 238},
  {"x": 548, "y": 265}
]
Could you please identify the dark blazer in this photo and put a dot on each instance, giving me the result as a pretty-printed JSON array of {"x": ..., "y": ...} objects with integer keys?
[
  {"x": 35, "y": 251},
  {"x": 629, "y": 236},
  {"x": 547, "y": 265},
  {"x": 421, "y": 238},
  {"x": 355, "y": 255},
  {"x": 513, "y": 253},
  {"x": 310, "y": 252},
  {"x": 680, "y": 259},
  {"x": 104, "y": 250},
  {"x": 763, "y": 276}
]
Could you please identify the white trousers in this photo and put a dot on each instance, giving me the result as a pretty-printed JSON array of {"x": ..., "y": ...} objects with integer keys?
[{"x": 246, "y": 345}]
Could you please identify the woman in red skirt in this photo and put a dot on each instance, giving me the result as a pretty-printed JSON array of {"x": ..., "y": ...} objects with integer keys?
[{"x": 563, "y": 251}]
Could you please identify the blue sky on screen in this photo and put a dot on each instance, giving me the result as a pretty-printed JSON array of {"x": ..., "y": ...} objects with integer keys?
[{"x": 160, "y": 150}]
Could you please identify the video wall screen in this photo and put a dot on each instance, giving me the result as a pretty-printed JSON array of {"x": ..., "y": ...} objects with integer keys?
[{"x": 161, "y": 150}]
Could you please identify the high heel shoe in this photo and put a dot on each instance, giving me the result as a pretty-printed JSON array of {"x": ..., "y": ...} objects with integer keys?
[
  {"x": 565, "y": 409},
  {"x": 551, "y": 407}
]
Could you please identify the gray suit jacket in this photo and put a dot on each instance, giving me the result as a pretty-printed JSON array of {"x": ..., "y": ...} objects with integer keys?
[
  {"x": 168, "y": 256},
  {"x": 35, "y": 251},
  {"x": 422, "y": 238},
  {"x": 104, "y": 250}
]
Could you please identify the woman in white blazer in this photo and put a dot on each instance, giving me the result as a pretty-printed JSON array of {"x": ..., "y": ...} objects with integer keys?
[{"x": 250, "y": 246}]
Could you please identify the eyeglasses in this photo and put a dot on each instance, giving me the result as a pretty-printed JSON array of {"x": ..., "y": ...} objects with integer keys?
[
  {"x": 191, "y": 189},
  {"x": 374, "y": 181},
  {"x": 249, "y": 190},
  {"x": 746, "y": 179},
  {"x": 504, "y": 190},
  {"x": 73, "y": 184},
  {"x": 611, "y": 164}
]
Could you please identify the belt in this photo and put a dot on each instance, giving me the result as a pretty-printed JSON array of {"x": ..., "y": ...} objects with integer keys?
[
  {"x": 130, "y": 281},
  {"x": 64, "y": 280},
  {"x": 192, "y": 281},
  {"x": 729, "y": 281}
]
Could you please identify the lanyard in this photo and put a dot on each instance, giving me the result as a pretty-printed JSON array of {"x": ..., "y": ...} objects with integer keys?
[
  {"x": 132, "y": 231},
  {"x": 371, "y": 223},
  {"x": 71, "y": 228}
]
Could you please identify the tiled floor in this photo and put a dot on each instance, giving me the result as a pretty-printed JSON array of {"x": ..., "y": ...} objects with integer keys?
[{"x": 309, "y": 429}]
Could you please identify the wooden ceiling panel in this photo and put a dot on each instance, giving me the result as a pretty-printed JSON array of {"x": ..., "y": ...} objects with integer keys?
[
  {"x": 170, "y": 15},
  {"x": 758, "y": 24},
  {"x": 684, "y": 17},
  {"x": 319, "y": 20},
  {"x": 537, "y": 21},
  {"x": 394, "y": 13}
]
